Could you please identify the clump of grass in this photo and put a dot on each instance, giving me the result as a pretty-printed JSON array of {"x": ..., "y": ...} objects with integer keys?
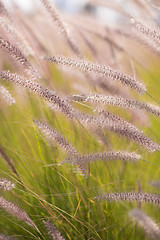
[{"x": 98, "y": 110}]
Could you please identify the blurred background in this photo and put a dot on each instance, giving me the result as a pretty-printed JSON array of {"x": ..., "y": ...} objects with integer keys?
[
  {"x": 99, "y": 8},
  {"x": 71, "y": 6}
]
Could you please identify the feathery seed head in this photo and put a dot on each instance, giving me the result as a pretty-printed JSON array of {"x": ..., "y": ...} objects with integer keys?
[
  {"x": 3, "y": 237},
  {"x": 117, "y": 101},
  {"x": 6, "y": 96},
  {"x": 143, "y": 28},
  {"x": 57, "y": 19},
  {"x": 52, "y": 231},
  {"x": 150, "y": 227},
  {"x": 16, "y": 211},
  {"x": 6, "y": 24},
  {"x": 40, "y": 90},
  {"x": 6, "y": 184},
  {"x": 19, "y": 57},
  {"x": 100, "y": 70},
  {"x": 131, "y": 196},
  {"x": 120, "y": 155},
  {"x": 52, "y": 134}
]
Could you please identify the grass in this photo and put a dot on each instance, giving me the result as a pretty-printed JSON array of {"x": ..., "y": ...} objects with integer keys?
[
  {"x": 48, "y": 191},
  {"x": 57, "y": 192}
]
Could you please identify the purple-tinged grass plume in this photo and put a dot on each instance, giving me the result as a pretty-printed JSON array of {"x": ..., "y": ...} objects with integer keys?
[
  {"x": 82, "y": 161},
  {"x": 115, "y": 124},
  {"x": 6, "y": 96},
  {"x": 155, "y": 34},
  {"x": 6, "y": 184},
  {"x": 100, "y": 70},
  {"x": 137, "y": 36},
  {"x": 19, "y": 57},
  {"x": 16, "y": 211},
  {"x": 104, "y": 119},
  {"x": 52, "y": 231},
  {"x": 119, "y": 155},
  {"x": 149, "y": 43},
  {"x": 38, "y": 89},
  {"x": 52, "y": 134},
  {"x": 149, "y": 226},
  {"x": 131, "y": 196},
  {"x": 118, "y": 101},
  {"x": 3, "y": 237},
  {"x": 57, "y": 19},
  {"x": 18, "y": 37},
  {"x": 128, "y": 130}
]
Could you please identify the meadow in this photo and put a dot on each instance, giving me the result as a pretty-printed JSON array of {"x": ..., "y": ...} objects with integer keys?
[{"x": 80, "y": 123}]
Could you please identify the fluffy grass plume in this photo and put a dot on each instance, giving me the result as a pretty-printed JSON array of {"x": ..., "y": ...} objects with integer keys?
[
  {"x": 150, "y": 227},
  {"x": 53, "y": 231},
  {"x": 6, "y": 96},
  {"x": 15, "y": 211},
  {"x": 101, "y": 70},
  {"x": 52, "y": 134},
  {"x": 131, "y": 196}
]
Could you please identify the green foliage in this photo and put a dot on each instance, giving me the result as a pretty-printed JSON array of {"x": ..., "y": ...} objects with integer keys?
[{"x": 46, "y": 190}]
